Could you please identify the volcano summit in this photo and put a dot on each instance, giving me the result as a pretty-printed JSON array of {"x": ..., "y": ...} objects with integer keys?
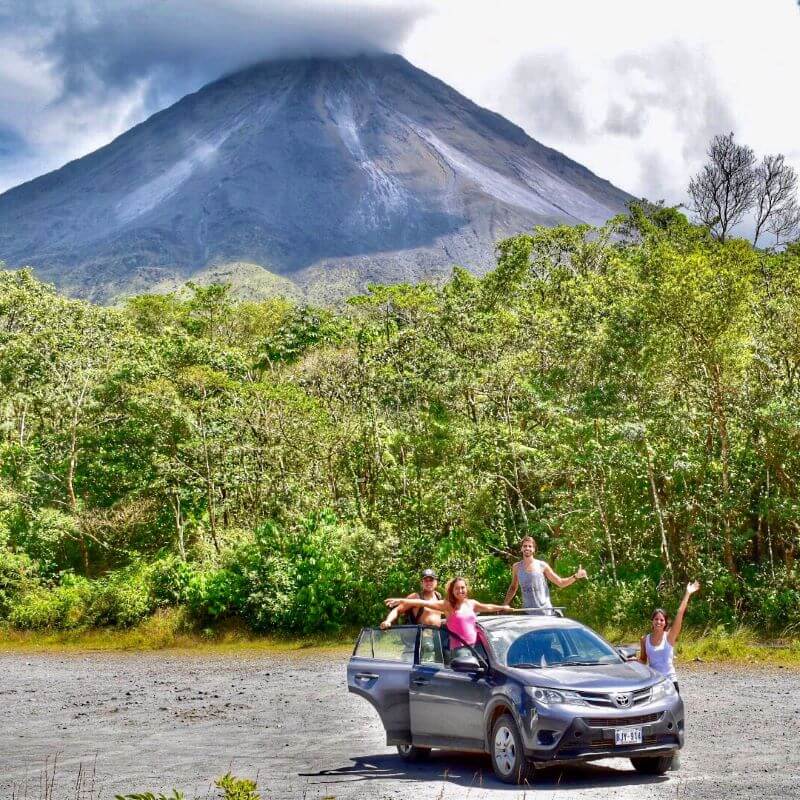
[{"x": 313, "y": 176}]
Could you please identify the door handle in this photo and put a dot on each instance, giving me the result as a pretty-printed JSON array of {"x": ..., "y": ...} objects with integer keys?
[
  {"x": 420, "y": 681},
  {"x": 366, "y": 676}
]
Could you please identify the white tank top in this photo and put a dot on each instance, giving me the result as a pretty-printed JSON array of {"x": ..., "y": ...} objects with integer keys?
[{"x": 660, "y": 658}]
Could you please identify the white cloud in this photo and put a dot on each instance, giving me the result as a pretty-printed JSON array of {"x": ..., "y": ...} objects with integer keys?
[
  {"x": 642, "y": 87},
  {"x": 632, "y": 90}
]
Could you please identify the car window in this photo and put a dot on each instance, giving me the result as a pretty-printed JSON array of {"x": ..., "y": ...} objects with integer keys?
[
  {"x": 394, "y": 644},
  {"x": 452, "y": 642},
  {"x": 430, "y": 647},
  {"x": 550, "y": 647},
  {"x": 364, "y": 644}
]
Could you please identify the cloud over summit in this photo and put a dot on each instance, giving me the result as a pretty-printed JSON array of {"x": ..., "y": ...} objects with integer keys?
[{"x": 82, "y": 71}]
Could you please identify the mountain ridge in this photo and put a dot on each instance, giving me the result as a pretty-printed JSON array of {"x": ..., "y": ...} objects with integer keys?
[{"x": 301, "y": 166}]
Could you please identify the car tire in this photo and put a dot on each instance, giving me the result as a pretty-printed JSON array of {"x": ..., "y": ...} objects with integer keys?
[
  {"x": 508, "y": 755},
  {"x": 652, "y": 765},
  {"x": 410, "y": 752}
]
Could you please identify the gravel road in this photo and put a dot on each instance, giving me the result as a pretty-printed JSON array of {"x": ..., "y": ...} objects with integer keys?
[{"x": 137, "y": 722}]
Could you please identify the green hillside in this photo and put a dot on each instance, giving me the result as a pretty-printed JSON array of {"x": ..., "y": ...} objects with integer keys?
[{"x": 629, "y": 395}]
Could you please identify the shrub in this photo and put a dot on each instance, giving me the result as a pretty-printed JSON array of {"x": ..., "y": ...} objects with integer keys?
[
  {"x": 64, "y": 606},
  {"x": 170, "y": 578},
  {"x": 237, "y": 788},
  {"x": 45, "y": 535},
  {"x": 122, "y": 599},
  {"x": 304, "y": 578},
  {"x": 17, "y": 576}
]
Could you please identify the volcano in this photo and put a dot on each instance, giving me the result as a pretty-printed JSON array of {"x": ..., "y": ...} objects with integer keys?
[{"x": 312, "y": 177}]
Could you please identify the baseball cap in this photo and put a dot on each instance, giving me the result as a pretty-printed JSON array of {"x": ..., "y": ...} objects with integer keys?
[{"x": 429, "y": 573}]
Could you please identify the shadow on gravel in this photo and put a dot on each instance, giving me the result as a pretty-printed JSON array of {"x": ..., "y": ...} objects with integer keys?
[{"x": 471, "y": 770}]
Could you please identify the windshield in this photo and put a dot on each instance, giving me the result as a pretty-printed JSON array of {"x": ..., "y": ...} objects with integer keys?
[{"x": 517, "y": 645}]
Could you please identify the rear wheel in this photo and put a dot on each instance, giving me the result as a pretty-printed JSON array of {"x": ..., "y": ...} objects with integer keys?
[
  {"x": 411, "y": 752},
  {"x": 652, "y": 765},
  {"x": 508, "y": 756}
]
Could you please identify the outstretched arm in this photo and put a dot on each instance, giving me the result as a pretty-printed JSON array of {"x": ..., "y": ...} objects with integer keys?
[
  {"x": 489, "y": 608},
  {"x": 562, "y": 583},
  {"x": 677, "y": 623},
  {"x": 436, "y": 605},
  {"x": 513, "y": 586},
  {"x": 392, "y": 616}
]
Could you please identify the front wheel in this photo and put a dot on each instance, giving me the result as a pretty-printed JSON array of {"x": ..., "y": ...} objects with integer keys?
[
  {"x": 508, "y": 756},
  {"x": 652, "y": 765},
  {"x": 411, "y": 752}
]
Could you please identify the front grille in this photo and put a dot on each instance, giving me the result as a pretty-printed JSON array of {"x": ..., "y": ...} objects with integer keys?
[
  {"x": 620, "y": 722},
  {"x": 607, "y": 700}
]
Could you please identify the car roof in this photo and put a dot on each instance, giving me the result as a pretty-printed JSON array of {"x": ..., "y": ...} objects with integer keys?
[{"x": 495, "y": 622}]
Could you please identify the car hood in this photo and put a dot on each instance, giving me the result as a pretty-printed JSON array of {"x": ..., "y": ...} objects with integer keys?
[{"x": 630, "y": 675}]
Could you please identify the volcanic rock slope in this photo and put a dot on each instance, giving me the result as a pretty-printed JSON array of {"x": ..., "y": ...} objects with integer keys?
[{"x": 327, "y": 173}]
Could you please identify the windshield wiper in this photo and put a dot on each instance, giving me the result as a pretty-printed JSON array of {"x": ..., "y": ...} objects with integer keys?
[
  {"x": 525, "y": 665},
  {"x": 579, "y": 663}
]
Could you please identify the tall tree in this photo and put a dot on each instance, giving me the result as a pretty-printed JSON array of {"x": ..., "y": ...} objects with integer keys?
[
  {"x": 724, "y": 189},
  {"x": 775, "y": 199}
]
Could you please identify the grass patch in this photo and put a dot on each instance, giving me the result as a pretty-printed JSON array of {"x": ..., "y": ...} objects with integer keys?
[
  {"x": 740, "y": 646},
  {"x": 169, "y": 630}
]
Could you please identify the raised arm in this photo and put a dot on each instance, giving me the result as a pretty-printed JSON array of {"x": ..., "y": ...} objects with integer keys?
[
  {"x": 392, "y": 616},
  {"x": 675, "y": 629},
  {"x": 489, "y": 608},
  {"x": 562, "y": 583},
  {"x": 436, "y": 605},
  {"x": 513, "y": 586}
]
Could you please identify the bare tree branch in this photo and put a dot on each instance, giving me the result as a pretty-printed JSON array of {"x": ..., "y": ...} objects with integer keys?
[
  {"x": 724, "y": 190},
  {"x": 775, "y": 195}
]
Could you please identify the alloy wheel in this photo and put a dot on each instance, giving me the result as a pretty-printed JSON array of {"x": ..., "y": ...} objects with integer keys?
[{"x": 505, "y": 750}]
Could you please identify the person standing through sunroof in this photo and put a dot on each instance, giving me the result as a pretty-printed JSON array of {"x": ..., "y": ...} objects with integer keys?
[
  {"x": 532, "y": 576},
  {"x": 414, "y": 614}
]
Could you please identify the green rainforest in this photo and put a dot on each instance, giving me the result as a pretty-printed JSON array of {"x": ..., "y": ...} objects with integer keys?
[{"x": 628, "y": 395}]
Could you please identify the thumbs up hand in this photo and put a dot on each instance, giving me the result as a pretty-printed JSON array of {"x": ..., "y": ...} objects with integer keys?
[{"x": 581, "y": 573}]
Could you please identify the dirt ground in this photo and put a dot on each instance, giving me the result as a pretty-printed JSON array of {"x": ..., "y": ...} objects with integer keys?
[{"x": 136, "y": 722}]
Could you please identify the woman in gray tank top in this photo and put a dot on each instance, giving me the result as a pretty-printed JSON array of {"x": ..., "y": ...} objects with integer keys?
[{"x": 532, "y": 575}]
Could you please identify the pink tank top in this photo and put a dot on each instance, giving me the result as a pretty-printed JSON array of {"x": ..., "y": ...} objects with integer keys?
[{"x": 464, "y": 625}]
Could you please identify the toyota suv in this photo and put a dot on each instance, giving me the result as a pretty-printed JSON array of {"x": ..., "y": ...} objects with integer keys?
[{"x": 532, "y": 691}]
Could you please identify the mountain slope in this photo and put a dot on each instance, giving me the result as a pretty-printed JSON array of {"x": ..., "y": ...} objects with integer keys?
[{"x": 367, "y": 167}]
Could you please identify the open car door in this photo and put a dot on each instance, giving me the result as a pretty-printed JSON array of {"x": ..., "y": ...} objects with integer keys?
[{"x": 379, "y": 671}]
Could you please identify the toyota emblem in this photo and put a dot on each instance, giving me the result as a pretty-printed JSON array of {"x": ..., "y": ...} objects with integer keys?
[{"x": 622, "y": 700}]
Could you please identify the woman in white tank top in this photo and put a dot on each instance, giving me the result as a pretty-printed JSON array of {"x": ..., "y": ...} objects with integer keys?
[{"x": 656, "y": 649}]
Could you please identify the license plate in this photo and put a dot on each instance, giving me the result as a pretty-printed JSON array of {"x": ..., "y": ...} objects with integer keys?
[{"x": 624, "y": 736}]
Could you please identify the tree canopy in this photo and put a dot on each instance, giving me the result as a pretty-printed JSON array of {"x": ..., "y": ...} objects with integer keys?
[{"x": 628, "y": 395}]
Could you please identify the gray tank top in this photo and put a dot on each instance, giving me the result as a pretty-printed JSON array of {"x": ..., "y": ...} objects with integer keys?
[{"x": 535, "y": 591}]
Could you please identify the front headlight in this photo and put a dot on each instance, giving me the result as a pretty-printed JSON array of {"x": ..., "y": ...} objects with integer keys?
[
  {"x": 550, "y": 697},
  {"x": 664, "y": 689}
]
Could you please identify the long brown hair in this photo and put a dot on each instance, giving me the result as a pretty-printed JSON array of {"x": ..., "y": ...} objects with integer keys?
[{"x": 450, "y": 590}]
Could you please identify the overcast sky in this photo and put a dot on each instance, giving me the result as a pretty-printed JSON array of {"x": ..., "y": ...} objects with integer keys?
[{"x": 632, "y": 90}]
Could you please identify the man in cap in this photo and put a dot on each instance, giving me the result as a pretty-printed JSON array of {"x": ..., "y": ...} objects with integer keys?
[{"x": 418, "y": 616}]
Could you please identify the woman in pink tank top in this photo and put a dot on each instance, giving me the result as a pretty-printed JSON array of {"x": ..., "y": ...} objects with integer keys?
[{"x": 460, "y": 612}]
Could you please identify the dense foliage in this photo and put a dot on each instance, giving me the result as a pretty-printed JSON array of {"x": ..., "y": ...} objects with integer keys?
[{"x": 628, "y": 395}]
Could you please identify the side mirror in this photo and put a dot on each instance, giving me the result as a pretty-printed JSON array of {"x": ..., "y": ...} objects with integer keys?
[
  {"x": 630, "y": 652},
  {"x": 467, "y": 663}
]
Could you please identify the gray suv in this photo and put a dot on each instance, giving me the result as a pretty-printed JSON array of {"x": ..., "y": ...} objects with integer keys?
[{"x": 534, "y": 690}]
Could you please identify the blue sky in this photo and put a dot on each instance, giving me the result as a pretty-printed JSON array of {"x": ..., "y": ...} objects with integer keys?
[{"x": 632, "y": 90}]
